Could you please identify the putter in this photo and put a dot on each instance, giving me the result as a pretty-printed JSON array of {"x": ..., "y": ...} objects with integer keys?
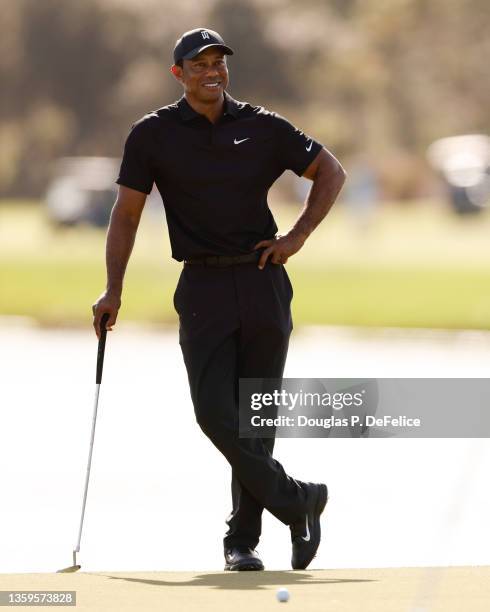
[{"x": 98, "y": 378}]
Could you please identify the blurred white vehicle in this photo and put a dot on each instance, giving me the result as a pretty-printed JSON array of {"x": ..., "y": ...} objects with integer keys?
[
  {"x": 82, "y": 190},
  {"x": 464, "y": 164}
]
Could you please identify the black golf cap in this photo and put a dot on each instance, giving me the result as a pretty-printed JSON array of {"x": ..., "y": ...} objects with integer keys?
[{"x": 191, "y": 43}]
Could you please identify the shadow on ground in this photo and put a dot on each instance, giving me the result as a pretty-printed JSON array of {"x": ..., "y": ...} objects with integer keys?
[{"x": 241, "y": 580}]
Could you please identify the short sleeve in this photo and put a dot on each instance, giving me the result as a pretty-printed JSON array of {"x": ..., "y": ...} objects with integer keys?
[
  {"x": 296, "y": 149},
  {"x": 136, "y": 169}
]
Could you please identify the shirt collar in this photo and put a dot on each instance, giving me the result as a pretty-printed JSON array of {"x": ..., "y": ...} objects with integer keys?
[{"x": 232, "y": 108}]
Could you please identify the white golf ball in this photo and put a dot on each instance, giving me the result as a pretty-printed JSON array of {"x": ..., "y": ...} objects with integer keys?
[{"x": 282, "y": 594}]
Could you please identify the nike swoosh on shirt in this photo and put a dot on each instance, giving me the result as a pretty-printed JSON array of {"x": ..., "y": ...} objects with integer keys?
[
  {"x": 308, "y": 148},
  {"x": 239, "y": 141},
  {"x": 306, "y": 538}
]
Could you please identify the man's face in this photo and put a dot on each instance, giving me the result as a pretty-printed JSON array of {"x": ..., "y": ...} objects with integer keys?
[{"x": 205, "y": 76}]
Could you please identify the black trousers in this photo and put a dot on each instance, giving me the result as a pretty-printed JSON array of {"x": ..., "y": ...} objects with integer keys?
[{"x": 235, "y": 322}]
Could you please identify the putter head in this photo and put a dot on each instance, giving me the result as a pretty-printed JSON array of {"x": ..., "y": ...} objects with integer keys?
[
  {"x": 73, "y": 568},
  {"x": 69, "y": 570}
]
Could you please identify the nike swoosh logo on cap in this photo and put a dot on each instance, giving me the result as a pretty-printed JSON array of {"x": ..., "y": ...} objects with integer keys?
[
  {"x": 306, "y": 538},
  {"x": 239, "y": 141},
  {"x": 308, "y": 148}
]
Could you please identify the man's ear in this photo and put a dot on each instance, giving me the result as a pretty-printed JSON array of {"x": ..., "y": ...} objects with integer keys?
[{"x": 176, "y": 71}]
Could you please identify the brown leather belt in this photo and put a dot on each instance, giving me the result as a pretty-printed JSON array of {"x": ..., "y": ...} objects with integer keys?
[{"x": 224, "y": 260}]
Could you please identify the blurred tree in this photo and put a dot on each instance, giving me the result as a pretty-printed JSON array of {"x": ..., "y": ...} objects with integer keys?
[
  {"x": 394, "y": 76},
  {"x": 383, "y": 77},
  {"x": 344, "y": 8},
  {"x": 259, "y": 70},
  {"x": 58, "y": 88}
]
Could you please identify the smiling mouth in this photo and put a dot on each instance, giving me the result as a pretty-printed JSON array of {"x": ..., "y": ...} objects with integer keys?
[{"x": 213, "y": 85}]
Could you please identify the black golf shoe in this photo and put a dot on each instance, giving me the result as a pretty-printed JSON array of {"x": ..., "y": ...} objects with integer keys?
[
  {"x": 305, "y": 534},
  {"x": 242, "y": 558}
]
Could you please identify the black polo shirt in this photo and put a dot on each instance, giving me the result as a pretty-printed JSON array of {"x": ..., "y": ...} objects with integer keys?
[{"x": 214, "y": 178}]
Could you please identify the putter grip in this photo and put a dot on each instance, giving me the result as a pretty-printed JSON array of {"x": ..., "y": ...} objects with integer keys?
[{"x": 101, "y": 350}]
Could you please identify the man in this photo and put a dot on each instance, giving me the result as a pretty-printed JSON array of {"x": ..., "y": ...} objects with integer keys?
[{"x": 213, "y": 160}]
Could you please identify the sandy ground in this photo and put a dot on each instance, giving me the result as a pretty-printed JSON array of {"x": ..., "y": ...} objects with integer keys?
[
  {"x": 456, "y": 589},
  {"x": 159, "y": 491}
]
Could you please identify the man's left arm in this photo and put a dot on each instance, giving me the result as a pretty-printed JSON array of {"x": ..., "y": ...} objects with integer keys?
[{"x": 328, "y": 176}]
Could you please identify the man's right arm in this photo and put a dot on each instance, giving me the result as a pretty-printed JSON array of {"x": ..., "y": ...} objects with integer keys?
[{"x": 123, "y": 225}]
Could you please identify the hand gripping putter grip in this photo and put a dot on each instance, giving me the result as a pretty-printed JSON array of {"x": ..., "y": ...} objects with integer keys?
[{"x": 98, "y": 380}]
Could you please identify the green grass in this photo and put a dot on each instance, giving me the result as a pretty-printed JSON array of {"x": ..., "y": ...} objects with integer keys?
[{"x": 416, "y": 266}]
